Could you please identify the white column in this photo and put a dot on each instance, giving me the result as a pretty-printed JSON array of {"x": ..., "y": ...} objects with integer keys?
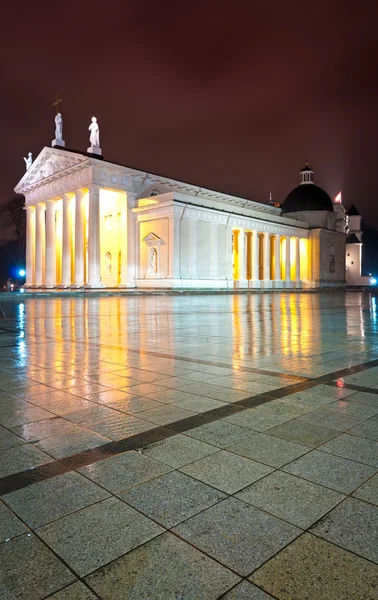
[
  {"x": 128, "y": 243},
  {"x": 193, "y": 249},
  {"x": 94, "y": 272},
  {"x": 297, "y": 263},
  {"x": 40, "y": 245},
  {"x": 228, "y": 257},
  {"x": 255, "y": 259},
  {"x": 30, "y": 245},
  {"x": 277, "y": 260},
  {"x": 79, "y": 237},
  {"x": 174, "y": 246},
  {"x": 287, "y": 263},
  {"x": 67, "y": 241},
  {"x": 266, "y": 259},
  {"x": 50, "y": 278},
  {"x": 214, "y": 251},
  {"x": 242, "y": 275}
]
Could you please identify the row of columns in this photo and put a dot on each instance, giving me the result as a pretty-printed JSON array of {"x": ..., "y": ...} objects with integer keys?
[
  {"x": 45, "y": 221},
  {"x": 255, "y": 257}
]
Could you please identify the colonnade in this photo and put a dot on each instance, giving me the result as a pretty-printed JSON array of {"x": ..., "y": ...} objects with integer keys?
[
  {"x": 262, "y": 259},
  {"x": 63, "y": 241}
]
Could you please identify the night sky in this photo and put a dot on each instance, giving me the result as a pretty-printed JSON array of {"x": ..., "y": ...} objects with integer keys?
[{"x": 232, "y": 96}]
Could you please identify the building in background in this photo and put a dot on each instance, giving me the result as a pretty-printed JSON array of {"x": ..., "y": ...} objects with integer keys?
[{"x": 96, "y": 224}]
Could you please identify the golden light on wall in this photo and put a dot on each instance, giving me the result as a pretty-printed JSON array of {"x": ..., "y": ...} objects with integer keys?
[
  {"x": 283, "y": 258},
  {"x": 292, "y": 259},
  {"x": 304, "y": 260}
]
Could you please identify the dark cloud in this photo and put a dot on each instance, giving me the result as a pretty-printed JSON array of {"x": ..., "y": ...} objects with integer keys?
[{"x": 229, "y": 95}]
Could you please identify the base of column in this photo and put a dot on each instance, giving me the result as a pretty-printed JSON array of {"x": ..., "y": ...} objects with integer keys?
[
  {"x": 241, "y": 283},
  {"x": 91, "y": 286},
  {"x": 63, "y": 286},
  {"x": 126, "y": 285},
  {"x": 267, "y": 284},
  {"x": 254, "y": 283},
  {"x": 289, "y": 285},
  {"x": 76, "y": 286},
  {"x": 278, "y": 284},
  {"x": 298, "y": 285},
  {"x": 58, "y": 143},
  {"x": 94, "y": 150},
  {"x": 49, "y": 286}
]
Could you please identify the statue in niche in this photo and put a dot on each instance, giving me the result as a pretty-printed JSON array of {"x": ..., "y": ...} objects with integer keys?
[
  {"x": 58, "y": 127},
  {"x": 94, "y": 137},
  {"x": 108, "y": 258},
  {"x": 152, "y": 266},
  {"x": 28, "y": 161}
]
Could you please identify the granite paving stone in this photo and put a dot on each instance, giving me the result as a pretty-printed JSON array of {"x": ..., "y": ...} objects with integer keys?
[
  {"x": 49, "y": 500},
  {"x": 306, "y": 434},
  {"x": 354, "y": 448},
  {"x": 178, "y": 450},
  {"x": 10, "y": 525},
  {"x": 352, "y": 408},
  {"x": 124, "y": 471},
  {"x": 166, "y": 414},
  {"x": 331, "y": 471},
  {"x": 367, "y": 429},
  {"x": 364, "y": 398},
  {"x": 240, "y": 536},
  {"x": 21, "y": 575},
  {"x": 40, "y": 430},
  {"x": 368, "y": 491},
  {"x": 172, "y": 569},
  {"x": 20, "y": 458},
  {"x": 60, "y": 446},
  {"x": 354, "y": 526},
  {"x": 267, "y": 449},
  {"x": 284, "y": 408},
  {"x": 331, "y": 419},
  {"x": 290, "y": 498},
  {"x": 246, "y": 591},
  {"x": 256, "y": 420},
  {"x": 9, "y": 439},
  {"x": 312, "y": 568},
  {"x": 98, "y": 534},
  {"x": 219, "y": 433},
  {"x": 20, "y": 417},
  {"x": 172, "y": 498},
  {"x": 75, "y": 591},
  {"x": 226, "y": 471},
  {"x": 80, "y": 374}
]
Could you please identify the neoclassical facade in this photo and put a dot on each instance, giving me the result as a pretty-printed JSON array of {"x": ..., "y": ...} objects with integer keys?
[{"x": 95, "y": 224}]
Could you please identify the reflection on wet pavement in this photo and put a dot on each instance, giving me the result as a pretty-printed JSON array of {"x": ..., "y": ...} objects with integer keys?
[{"x": 220, "y": 441}]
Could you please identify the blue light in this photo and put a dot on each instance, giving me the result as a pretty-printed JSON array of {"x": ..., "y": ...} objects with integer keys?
[
  {"x": 373, "y": 281},
  {"x": 22, "y": 290},
  {"x": 22, "y": 272}
]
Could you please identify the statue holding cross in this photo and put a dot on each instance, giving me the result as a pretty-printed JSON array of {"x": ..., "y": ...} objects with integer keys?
[{"x": 58, "y": 124}]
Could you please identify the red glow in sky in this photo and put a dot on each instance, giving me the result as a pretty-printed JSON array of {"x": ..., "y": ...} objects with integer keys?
[{"x": 230, "y": 96}]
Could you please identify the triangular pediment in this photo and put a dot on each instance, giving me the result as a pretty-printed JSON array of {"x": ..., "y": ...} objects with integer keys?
[
  {"x": 151, "y": 237},
  {"x": 49, "y": 163}
]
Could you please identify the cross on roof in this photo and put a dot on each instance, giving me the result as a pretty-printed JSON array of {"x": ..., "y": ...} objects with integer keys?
[{"x": 57, "y": 101}]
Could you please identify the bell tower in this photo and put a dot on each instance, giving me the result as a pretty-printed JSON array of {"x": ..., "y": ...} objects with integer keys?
[{"x": 307, "y": 174}]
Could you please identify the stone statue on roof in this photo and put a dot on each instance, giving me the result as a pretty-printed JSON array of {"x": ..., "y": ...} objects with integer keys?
[{"x": 28, "y": 161}]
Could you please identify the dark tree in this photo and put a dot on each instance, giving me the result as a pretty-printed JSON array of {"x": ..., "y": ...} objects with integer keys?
[{"x": 13, "y": 216}]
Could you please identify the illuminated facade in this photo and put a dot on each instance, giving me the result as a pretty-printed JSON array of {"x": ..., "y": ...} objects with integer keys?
[{"x": 95, "y": 224}]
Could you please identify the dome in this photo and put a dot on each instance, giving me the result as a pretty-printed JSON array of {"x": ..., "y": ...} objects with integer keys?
[{"x": 307, "y": 197}]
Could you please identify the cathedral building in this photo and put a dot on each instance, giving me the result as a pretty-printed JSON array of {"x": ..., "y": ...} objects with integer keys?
[{"x": 96, "y": 224}]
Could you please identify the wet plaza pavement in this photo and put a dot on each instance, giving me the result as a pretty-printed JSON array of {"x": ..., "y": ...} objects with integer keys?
[{"x": 189, "y": 447}]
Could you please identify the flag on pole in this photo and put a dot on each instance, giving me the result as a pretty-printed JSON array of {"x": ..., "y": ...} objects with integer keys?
[{"x": 338, "y": 198}]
